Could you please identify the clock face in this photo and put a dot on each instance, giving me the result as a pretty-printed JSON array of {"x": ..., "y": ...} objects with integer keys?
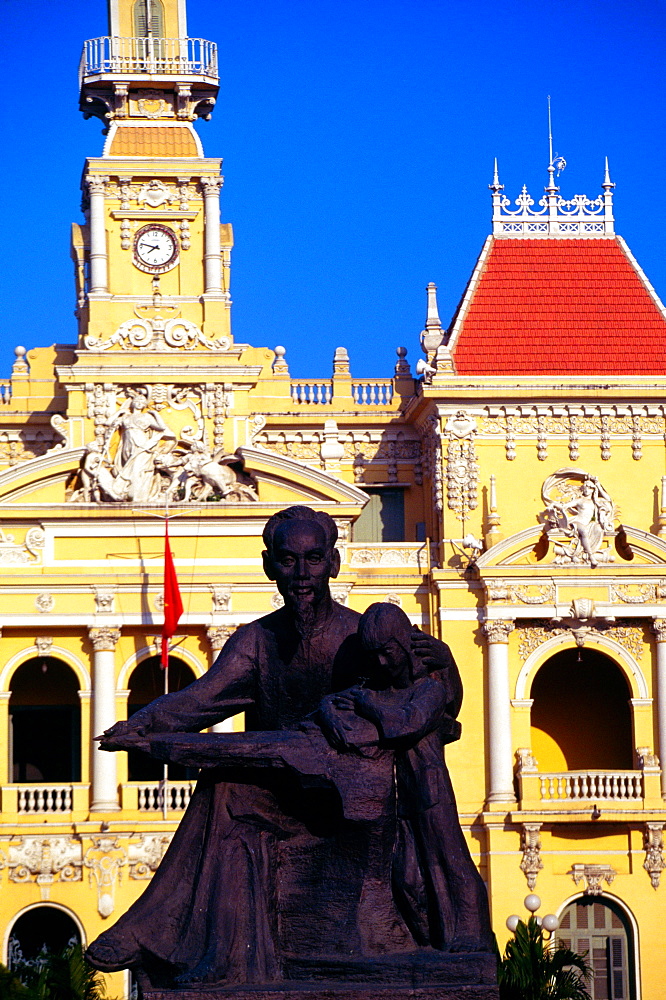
[{"x": 155, "y": 249}]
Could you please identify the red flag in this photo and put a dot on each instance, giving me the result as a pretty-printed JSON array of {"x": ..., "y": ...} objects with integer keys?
[{"x": 173, "y": 604}]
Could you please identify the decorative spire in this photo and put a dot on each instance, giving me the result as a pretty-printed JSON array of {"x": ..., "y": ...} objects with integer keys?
[
  {"x": 433, "y": 334},
  {"x": 496, "y": 187},
  {"x": 608, "y": 184}
]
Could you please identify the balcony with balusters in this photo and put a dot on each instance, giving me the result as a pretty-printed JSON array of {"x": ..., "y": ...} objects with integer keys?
[
  {"x": 589, "y": 792},
  {"x": 111, "y": 57}
]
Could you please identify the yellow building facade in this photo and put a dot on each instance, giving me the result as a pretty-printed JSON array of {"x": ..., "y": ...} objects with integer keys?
[{"x": 511, "y": 502}]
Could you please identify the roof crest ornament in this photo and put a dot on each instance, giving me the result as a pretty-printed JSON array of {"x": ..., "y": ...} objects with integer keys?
[
  {"x": 579, "y": 216},
  {"x": 556, "y": 216}
]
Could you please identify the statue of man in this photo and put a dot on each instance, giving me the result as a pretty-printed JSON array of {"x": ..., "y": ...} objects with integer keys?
[{"x": 209, "y": 914}]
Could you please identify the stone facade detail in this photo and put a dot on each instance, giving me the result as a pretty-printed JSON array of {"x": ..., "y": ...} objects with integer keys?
[
  {"x": 45, "y": 860},
  {"x": 104, "y": 638},
  {"x": 144, "y": 856},
  {"x": 45, "y": 602},
  {"x": 104, "y": 599},
  {"x": 105, "y": 860},
  {"x": 654, "y": 863},
  {"x": 531, "y": 863},
  {"x": 579, "y": 514},
  {"x": 623, "y": 631},
  {"x": 592, "y": 876},
  {"x": 221, "y": 598},
  {"x": 462, "y": 467},
  {"x": 497, "y": 630},
  {"x": 44, "y": 644},
  {"x": 507, "y": 592}
]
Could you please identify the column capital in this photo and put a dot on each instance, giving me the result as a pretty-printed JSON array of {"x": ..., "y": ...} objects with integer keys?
[
  {"x": 497, "y": 629},
  {"x": 659, "y": 629},
  {"x": 104, "y": 637},
  {"x": 96, "y": 184},
  {"x": 218, "y": 635},
  {"x": 212, "y": 185}
]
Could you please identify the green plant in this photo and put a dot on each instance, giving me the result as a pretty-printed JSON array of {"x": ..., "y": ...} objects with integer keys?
[
  {"x": 11, "y": 987},
  {"x": 532, "y": 969},
  {"x": 66, "y": 975}
]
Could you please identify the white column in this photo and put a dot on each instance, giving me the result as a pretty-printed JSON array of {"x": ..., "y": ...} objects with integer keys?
[
  {"x": 212, "y": 249},
  {"x": 99, "y": 263},
  {"x": 659, "y": 629},
  {"x": 104, "y": 774},
  {"x": 499, "y": 712}
]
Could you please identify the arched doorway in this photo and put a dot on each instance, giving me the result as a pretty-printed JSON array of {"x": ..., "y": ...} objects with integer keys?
[
  {"x": 600, "y": 928},
  {"x": 36, "y": 932},
  {"x": 145, "y": 684},
  {"x": 581, "y": 714},
  {"x": 44, "y": 722}
]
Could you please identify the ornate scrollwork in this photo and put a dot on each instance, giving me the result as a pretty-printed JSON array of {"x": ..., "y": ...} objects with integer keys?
[{"x": 157, "y": 334}]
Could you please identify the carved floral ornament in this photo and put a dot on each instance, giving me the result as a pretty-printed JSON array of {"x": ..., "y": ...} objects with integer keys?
[
  {"x": 582, "y": 624},
  {"x": 157, "y": 333},
  {"x": 45, "y": 861},
  {"x": 142, "y": 454}
]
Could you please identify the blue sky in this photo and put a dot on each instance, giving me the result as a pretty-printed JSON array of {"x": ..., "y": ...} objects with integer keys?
[{"x": 358, "y": 138}]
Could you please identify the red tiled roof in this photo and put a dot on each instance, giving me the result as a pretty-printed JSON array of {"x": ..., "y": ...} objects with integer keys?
[{"x": 559, "y": 307}]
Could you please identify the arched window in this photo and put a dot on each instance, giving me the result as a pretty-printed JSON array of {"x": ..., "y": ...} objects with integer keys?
[
  {"x": 600, "y": 929},
  {"x": 145, "y": 684},
  {"x": 581, "y": 715},
  {"x": 37, "y": 931},
  {"x": 45, "y": 722},
  {"x": 148, "y": 19}
]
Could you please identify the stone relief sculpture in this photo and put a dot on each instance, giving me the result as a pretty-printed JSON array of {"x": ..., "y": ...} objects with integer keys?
[
  {"x": 137, "y": 458},
  {"x": 580, "y": 512}
]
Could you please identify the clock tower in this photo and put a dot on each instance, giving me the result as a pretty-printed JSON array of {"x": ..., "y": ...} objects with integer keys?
[{"x": 152, "y": 259}]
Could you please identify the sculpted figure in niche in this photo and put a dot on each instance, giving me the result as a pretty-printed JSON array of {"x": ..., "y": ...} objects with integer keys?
[
  {"x": 320, "y": 860},
  {"x": 585, "y": 517},
  {"x": 141, "y": 431}
]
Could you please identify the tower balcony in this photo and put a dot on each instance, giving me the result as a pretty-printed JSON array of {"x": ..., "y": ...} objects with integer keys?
[{"x": 114, "y": 58}]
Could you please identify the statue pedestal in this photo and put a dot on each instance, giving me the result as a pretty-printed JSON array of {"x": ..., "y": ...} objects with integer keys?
[{"x": 419, "y": 976}]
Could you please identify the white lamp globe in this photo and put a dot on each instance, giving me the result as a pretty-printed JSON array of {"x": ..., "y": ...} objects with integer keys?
[
  {"x": 550, "y": 922},
  {"x": 532, "y": 902},
  {"x": 512, "y": 922}
]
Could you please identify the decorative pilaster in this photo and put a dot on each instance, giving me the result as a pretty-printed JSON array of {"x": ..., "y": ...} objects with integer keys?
[
  {"x": 654, "y": 863},
  {"x": 104, "y": 776},
  {"x": 212, "y": 247},
  {"x": 496, "y": 632},
  {"x": 531, "y": 863},
  {"x": 99, "y": 263},
  {"x": 659, "y": 629}
]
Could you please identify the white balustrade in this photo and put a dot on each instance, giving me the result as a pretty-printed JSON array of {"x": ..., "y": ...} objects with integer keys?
[
  {"x": 312, "y": 391},
  {"x": 45, "y": 798},
  {"x": 163, "y": 56},
  {"x": 378, "y": 392},
  {"x": 178, "y": 795},
  {"x": 592, "y": 785}
]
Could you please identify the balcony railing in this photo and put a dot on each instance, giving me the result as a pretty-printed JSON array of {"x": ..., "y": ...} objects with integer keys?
[
  {"x": 159, "y": 56},
  {"x": 178, "y": 793},
  {"x": 591, "y": 786}
]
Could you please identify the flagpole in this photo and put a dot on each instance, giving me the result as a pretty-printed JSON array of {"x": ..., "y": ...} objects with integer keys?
[{"x": 169, "y": 580}]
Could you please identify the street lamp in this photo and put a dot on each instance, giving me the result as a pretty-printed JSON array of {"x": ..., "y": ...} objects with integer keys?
[{"x": 532, "y": 902}]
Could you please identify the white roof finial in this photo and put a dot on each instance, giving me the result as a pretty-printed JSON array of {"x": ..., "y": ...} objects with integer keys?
[
  {"x": 607, "y": 184},
  {"x": 496, "y": 186},
  {"x": 433, "y": 334}
]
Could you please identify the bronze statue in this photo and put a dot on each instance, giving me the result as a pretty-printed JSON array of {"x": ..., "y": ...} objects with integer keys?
[{"x": 300, "y": 857}]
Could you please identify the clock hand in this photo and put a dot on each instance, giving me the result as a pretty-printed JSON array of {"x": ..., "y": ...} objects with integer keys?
[{"x": 146, "y": 246}]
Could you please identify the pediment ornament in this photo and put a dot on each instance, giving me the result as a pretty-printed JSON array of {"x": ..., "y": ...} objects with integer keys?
[{"x": 579, "y": 514}]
